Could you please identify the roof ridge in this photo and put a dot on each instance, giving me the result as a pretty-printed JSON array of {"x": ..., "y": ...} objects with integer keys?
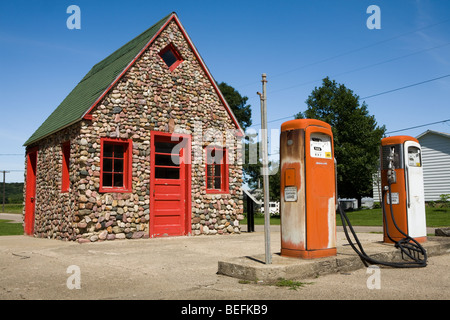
[
  {"x": 119, "y": 52},
  {"x": 94, "y": 83}
]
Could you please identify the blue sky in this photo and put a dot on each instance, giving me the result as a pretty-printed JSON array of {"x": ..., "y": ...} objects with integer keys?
[{"x": 296, "y": 43}]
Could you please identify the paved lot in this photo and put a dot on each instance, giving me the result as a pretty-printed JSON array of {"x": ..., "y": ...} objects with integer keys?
[{"x": 186, "y": 268}]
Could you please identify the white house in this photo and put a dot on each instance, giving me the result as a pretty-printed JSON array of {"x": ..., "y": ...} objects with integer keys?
[{"x": 436, "y": 163}]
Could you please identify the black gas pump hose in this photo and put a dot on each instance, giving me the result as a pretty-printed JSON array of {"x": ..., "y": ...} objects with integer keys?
[{"x": 408, "y": 246}]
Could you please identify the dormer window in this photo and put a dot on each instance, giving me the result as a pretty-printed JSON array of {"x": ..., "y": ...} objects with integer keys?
[{"x": 171, "y": 56}]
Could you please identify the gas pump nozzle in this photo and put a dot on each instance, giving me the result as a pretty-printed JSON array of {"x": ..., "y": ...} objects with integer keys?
[{"x": 391, "y": 175}]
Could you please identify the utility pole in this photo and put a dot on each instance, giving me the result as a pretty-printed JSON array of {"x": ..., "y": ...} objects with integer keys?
[
  {"x": 4, "y": 186},
  {"x": 265, "y": 169}
]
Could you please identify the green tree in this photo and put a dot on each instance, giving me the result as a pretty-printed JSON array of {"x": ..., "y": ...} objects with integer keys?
[
  {"x": 252, "y": 170},
  {"x": 357, "y": 136},
  {"x": 238, "y": 105}
]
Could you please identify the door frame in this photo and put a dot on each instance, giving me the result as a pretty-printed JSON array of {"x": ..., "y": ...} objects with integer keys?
[
  {"x": 186, "y": 160},
  {"x": 30, "y": 191}
]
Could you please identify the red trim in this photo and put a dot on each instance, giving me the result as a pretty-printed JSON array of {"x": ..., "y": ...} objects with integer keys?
[
  {"x": 175, "y": 52},
  {"x": 186, "y": 160},
  {"x": 224, "y": 170},
  {"x": 30, "y": 195},
  {"x": 208, "y": 74},
  {"x": 65, "y": 176},
  {"x": 197, "y": 55},
  {"x": 127, "y": 165},
  {"x": 129, "y": 66}
]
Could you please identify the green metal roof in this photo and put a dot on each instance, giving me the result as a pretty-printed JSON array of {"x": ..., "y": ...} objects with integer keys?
[{"x": 94, "y": 84}]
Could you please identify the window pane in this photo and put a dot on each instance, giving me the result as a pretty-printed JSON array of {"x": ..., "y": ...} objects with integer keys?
[
  {"x": 217, "y": 172},
  {"x": 107, "y": 165},
  {"x": 107, "y": 179},
  {"x": 118, "y": 165},
  {"x": 209, "y": 170},
  {"x": 210, "y": 183},
  {"x": 118, "y": 180},
  {"x": 164, "y": 147},
  {"x": 118, "y": 151},
  {"x": 167, "y": 173},
  {"x": 169, "y": 57},
  {"x": 166, "y": 160},
  {"x": 107, "y": 150},
  {"x": 217, "y": 183}
]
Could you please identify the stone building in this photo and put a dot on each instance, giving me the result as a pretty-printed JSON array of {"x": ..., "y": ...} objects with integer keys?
[{"x": 144, "y": 146}]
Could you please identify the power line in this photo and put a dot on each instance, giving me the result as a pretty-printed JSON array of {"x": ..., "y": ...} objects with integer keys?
[
  {"x": 364, "y": 67},
  {"x": 352, "y": 51},
  {"x": 375, "y": 95},
  {"x": 405, "y": 87},
  {"x": 419, "y": 126}
]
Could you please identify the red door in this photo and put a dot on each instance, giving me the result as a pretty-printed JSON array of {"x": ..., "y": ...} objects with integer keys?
[
  {"x": 30, "y": 193},
  {"x": 170, "y": 185}
]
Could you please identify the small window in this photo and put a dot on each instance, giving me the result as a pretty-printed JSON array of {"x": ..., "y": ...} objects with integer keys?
[
  {"x": 115, "y": 175},
  {"x": 65, "y": 176},
  {"x": 167, "y": 160},
  {"x": 171, "y": 57},
  {"x": 216, "y": 170}
]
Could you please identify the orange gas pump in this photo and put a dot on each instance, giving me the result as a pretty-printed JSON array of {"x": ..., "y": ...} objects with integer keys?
[
  {"x": 308, "y": 189},
  {"x": 403, "y": 205},
  {"x": 403, "y": 191}
]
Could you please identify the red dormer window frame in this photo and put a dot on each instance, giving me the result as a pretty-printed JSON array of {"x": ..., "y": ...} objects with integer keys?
[{"x": 178, "y": 59}]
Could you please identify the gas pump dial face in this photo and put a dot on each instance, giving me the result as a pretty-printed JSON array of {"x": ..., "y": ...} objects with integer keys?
[
  {"x": 414, "y": 157},
  {"x": 320, "y": 146}
]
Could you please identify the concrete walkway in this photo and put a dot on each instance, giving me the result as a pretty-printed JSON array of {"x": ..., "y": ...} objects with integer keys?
[
  {"x": 186, "y": 268},
  {"x": 14, "y": 217}
]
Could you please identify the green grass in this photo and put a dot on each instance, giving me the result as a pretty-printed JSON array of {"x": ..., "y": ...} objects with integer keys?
[
  {"x": 436, "y": 217},
  {"x": 291, "y": 284},
  {"x": 259, "y": 220},
  {"x": 10, "y": 229},
  {"x": 12, "y": 208}
]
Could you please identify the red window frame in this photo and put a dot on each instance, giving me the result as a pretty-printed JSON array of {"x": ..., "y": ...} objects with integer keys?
[
  {"x": 224, "y": 187},
  {"x": 179, "y": 59},
  {"x": 65, "y": 175},
  {"x": 126, "y": 165}
]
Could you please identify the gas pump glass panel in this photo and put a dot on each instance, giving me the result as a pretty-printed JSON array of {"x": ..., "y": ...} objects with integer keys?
[
  {"x": 414, "y": 157},
  {"x": 397, "y": 162},
  {"x": 320, "y": 145}
]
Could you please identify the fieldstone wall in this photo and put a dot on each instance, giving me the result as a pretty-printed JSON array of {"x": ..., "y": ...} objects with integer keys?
[
  {"x": 54, "y": 217},
  {"x": 147, "y": 98}
]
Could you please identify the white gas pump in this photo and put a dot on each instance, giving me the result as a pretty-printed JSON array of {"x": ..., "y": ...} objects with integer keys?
[
  {"x": 402, "y": 172},
  {"x": 403, "y": 203}
]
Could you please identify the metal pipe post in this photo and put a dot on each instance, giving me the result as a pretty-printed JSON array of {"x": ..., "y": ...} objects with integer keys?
[{"x": 265, "y": 170}]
